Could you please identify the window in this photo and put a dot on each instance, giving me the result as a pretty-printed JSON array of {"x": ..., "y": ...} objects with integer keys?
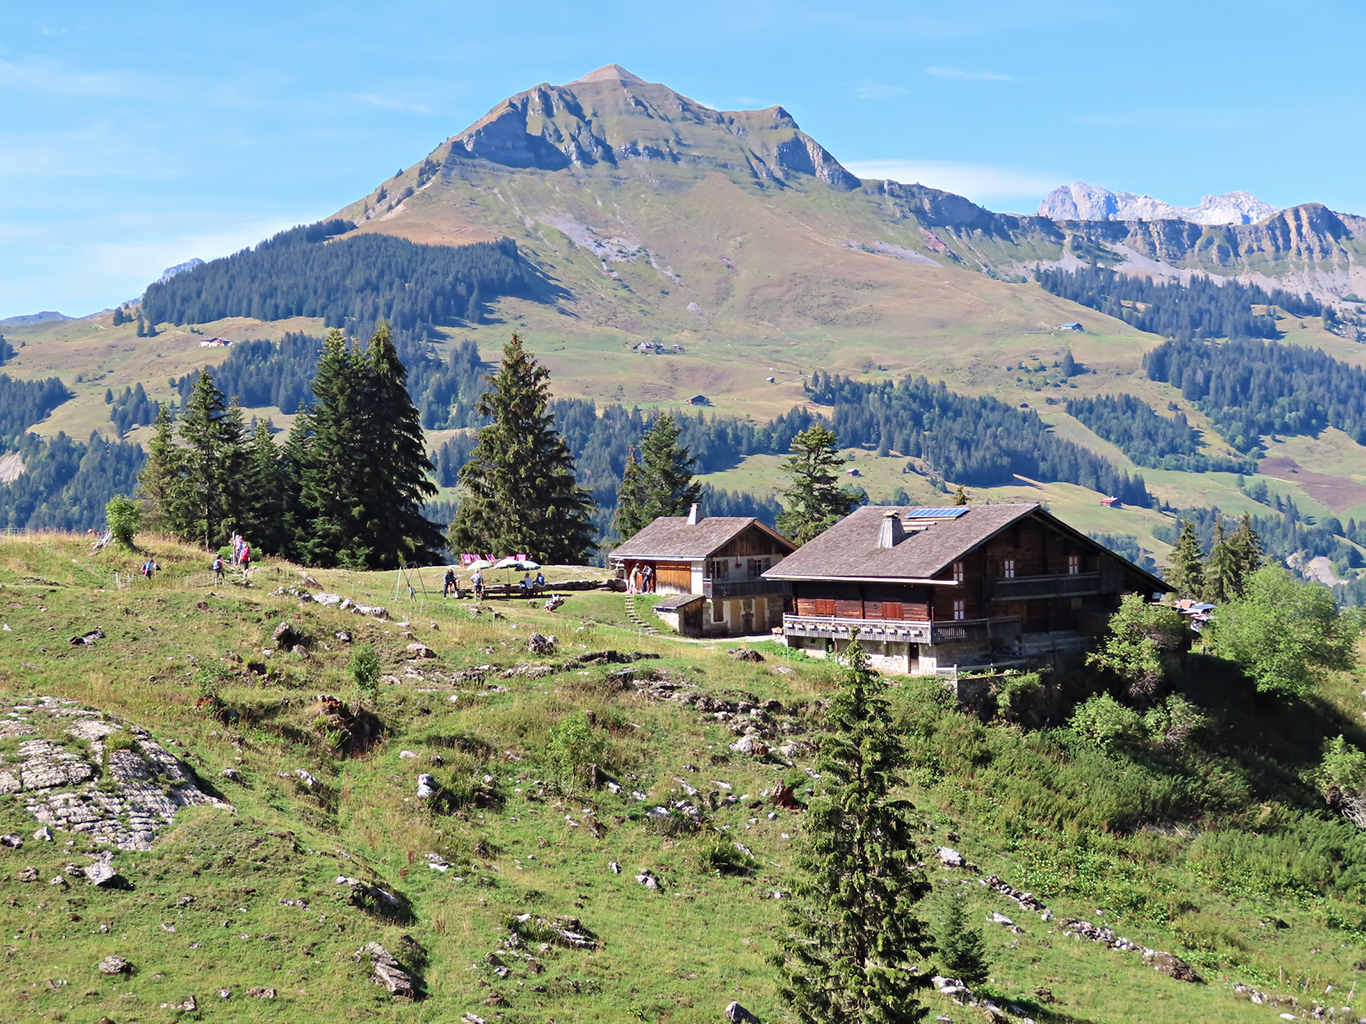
[
  {"x": 756, "y": 566},
  {"x": 958, "y": 573},
  {"x": 1073, "y": 565},
  {"x": 718, "y": 611},
  {"x": 1008, "y": 568},
  {"x": 720, "y": 569},
  {"x": 960, "y": 609}
]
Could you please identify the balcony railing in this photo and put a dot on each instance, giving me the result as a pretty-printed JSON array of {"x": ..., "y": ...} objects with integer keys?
[
  {"x": 829, "y": 627},
  {"x": 723, "y": 589},
  {"x": 1021, "y": 588}
]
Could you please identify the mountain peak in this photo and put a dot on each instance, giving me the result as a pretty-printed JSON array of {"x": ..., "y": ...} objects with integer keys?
[
  {"x": 1080, "y": 201},
  {"x": 610, "y": 73},
  {"x": 610, "y": 118}
]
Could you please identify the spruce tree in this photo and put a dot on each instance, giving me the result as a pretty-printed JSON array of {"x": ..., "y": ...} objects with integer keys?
[
  {"x": 1246, "y": 555},
  {"x": 662, "y": 483},
  {"x": 854, "y": 942},
  {"x": 813, "y": 501},
  {"x": 517, "y": 492},
  {"x": 1221, "y": 568},
  {"x": 263, "y": 492},
  {"x": 209, "y": 491},
  {"x": 398, "y": 470},
  {"x": 159, "y": 481},
  {"x": 1186, "y": 570},
  {"x": 960, "y": 496},
  {"x": 293, "y": 459},
  {"x": 332, "y": 479},
  {"x": 962, "y": 953},
  {"x": 632, "y": 497}
]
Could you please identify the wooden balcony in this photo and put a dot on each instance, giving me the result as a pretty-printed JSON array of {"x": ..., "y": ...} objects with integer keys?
[
  {"x": 1024, "y": 588},
  {"x": 829, "y": 627},
  {"x": 725, "y": 589}
]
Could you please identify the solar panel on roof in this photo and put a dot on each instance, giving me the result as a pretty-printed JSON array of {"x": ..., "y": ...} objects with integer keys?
[{"x": 937, "y": 513}]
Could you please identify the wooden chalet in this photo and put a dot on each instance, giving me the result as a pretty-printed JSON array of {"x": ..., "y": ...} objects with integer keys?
[
  {"x": 709, "y": 572},
  {"x": 936, "y": 589}
]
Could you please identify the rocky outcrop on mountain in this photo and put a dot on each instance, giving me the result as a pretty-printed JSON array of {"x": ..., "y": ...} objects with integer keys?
[
  {"x": 1080, "y": 201},
  {"x": 180, "y": 268},
  {"x": 70, "y": 775},
  {"x": 612, "y": 117}
]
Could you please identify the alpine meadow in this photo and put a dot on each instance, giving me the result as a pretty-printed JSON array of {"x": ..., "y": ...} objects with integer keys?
[{"x": 627, "y": 566}]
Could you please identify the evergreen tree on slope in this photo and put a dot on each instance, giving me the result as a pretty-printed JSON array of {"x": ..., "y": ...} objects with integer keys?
[
  {"x": 662, "y": 483},
  {"x": 209, "y": 491},
  {"x": 1186, "y": 570},
  {"x": 158, "y": 483},
  {"x": 854, "y": 938},
  {"x": 263, "y": 492},
  {"x": 517, "y": 492},
  {"x": 813, "y": 501}
]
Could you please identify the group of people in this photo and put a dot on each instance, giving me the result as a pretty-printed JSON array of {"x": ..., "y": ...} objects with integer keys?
[
  {"x": 241, "y": 556},
  {"x": 451, "y": 585},
  {"x": 641, "y": 580}
]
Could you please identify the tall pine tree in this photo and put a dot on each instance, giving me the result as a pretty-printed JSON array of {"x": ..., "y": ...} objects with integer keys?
[
  {"x": 364, "y": 473},
  {"x": 263, "y": 492},
  {"x": 158, "y": 483},
  {"x": 209, "y": 491},
  {"x": 1221, "y": 570},
  {"x": 1186, "y": 568},
  {"x": 1247, "y": 555},
  {"x": 813, "y": 501},
  {"x": 398, "y": 470},
  {"x": 632, "y": 496},
  {"x": 518, "y": 492},
  {"x": 855, "y": 944},
  {"x": 662, "y": 483}
]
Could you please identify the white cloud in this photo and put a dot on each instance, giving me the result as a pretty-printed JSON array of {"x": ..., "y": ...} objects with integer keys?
[
  {"x": 380, "y": 101},
  {"x": 985, "y": 76},
  {"x": 874, "y": 91},
  {"x": 982, "y": 183}
]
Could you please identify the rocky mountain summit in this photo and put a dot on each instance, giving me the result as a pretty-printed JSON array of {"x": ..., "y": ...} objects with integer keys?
[
  {"x": 612, "y": 117},
  {"x": 1080, "y": 201}
]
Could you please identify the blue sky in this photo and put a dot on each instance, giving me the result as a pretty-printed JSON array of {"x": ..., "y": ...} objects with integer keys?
[{"x": 136, "y": 135}]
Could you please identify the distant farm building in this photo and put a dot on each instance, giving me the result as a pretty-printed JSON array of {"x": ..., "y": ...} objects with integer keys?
[
  {"x": 699, "y": 400},
  {"x": 1072, "y": 327}
]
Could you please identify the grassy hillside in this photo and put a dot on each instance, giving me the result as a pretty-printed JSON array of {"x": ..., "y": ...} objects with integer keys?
[{"x": 1213, "y": 849}]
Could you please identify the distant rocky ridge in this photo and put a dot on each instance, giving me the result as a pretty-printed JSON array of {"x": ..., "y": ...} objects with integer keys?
[
  {"x": 180, "y": 268},
  {"x": 46, "y": 316},
  {"x": 1080, "y": 201}
]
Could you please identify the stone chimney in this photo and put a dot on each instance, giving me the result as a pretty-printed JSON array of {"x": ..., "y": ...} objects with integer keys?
[
  {"x": 891, "y": 533},
  {"x": 694, "y": 514}
]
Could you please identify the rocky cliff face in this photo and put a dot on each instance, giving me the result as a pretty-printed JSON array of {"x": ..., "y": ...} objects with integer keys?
[
  {"x": 1080, "y": 201},
  {"x": 612, "y": 117}
]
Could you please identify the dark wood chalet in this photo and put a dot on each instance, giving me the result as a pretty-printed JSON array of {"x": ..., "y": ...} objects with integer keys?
[
  {"x": 936, "y": 589},
  {"x": 709, "y": 573}
]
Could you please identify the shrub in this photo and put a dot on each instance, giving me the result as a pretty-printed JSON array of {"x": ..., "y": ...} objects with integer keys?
[
  {"x": 1173, "y": 722},
  {"x": 1108, "y": 724},
  {"x": 364, "y": 667},
  {"x": 124, "y": 517},
  {"x": 574, "y": 745},
  {"x": 1285, "y": 634},
  {"x": 1343, "y": 766},
  {"x": 1138, "y": 647},
  {"x": 722, "y": 856}
]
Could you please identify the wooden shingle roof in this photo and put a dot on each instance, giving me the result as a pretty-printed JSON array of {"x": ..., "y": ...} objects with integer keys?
[
  {"x": 672, "y": 537},
  {"x": 849, "y": 549}
]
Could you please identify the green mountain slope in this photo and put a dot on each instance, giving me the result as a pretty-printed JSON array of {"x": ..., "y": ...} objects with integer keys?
[{"x": 1206, "y": 844}]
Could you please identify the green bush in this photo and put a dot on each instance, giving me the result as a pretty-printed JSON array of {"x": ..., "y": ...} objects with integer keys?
[
  {"x": 124, "y": 517},
  {"x": 574, "y": 745},
  {"x": 1140, "y": 644},
  {"x": 1173, "y": 722},
  {"x": 721, "y": 856},
  {"x": 364, "y": 667},
  {"x": 1343, "y": 765},
  {"x": 1108, "y": 724}
]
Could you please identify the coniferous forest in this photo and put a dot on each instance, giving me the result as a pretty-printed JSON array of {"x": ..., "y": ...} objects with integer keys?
[
  {"x": 351, "y": 281},
  {"x": 26, "y": 402},
  {"x": 1148, "y": 439},
  {"x": 66, "y": 483},
  {"x": 977, "y": 441},
  {"x": 1250, "y": 388},
  {"x": 1200, "y": 309}
]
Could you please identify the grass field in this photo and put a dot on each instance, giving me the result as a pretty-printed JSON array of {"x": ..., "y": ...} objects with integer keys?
[{"x": 515, "y": 843}]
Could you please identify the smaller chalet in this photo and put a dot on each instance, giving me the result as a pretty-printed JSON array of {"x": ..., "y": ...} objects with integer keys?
[
  {"x": 709, "y": 572},
  {"x": 966, "y": 587}
]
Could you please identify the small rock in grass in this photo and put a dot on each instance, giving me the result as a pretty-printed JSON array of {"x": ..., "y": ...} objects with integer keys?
[{"x": 114, "y": 965}]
